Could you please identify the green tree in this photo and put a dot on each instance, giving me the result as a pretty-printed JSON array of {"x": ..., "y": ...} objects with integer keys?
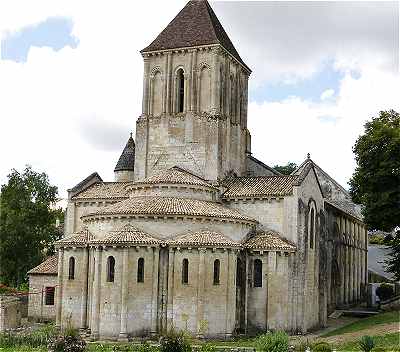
[
  {"x": 27, "y": 223},
  {"x": 393, "y": 260},
  {"x": 286, "y": 169},
  {"x": 376, "y": 181}
]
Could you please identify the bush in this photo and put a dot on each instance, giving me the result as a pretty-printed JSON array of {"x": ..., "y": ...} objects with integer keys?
[
  {"x": 207, "y": 347},
  {"x": 175, "y": 342},
  {"x": 378, "y": 349},
  {"x": 38, "y": 338},
  {"x": 69, "y": 341},
  {"x": 321, "y": 347},
  {"x": 273, "y": 342},
  {"x": 384, "y": 291},
  {"x": 366, "y": 343}
]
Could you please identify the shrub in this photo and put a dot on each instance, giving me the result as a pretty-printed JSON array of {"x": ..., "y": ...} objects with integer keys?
[
  {"x": 321, "y": 347},
  {"x": 175, "y": 342},
  {"x": 385, "y": 291},
  {"x": 273, "y": 342},
  {"x": 366, "y": 343},
  {"x": 378, "y": 349},
  {"x": 69, "y": 341},
  {"x": 38, "y": 338}
]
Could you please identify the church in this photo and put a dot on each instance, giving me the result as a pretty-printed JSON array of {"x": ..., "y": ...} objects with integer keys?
[{"x": 195, "y": 233}]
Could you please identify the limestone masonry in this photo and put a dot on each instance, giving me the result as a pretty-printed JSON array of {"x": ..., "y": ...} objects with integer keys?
[{"x": 195, "y": 233}]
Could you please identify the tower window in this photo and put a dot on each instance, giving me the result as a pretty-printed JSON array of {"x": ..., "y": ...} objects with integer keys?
[
  {"x": 140, "y": 270},
  {"x": 257, "y": 273},
  {"x": 312, "y": 228},
  {"x": 185, "y": 271},
  {"x": 216, "y": 271},
  {"x": 110, "y": 269},
  {"x": 181, "y": 90},
  {"x": 71, "y": 268}
]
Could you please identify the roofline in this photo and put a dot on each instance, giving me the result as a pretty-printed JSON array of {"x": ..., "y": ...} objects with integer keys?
[
  {"x": 277, "y": 173},
  {"x": 305, "y": 173},
  {"x": 327, "y": 201}
]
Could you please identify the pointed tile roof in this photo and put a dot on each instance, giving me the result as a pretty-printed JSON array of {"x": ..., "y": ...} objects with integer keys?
[
  {"x": 78, "y": 239},
  {"x": 195, "y": 25},
  {"x": 48, "y": 267},
  {"x": 268, "y": 240},
  {"x": 126, "y": 161}
]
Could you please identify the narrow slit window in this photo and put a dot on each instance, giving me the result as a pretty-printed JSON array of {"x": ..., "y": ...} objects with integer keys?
[
  {"x": 257, "y": 273},
  {"x": 312, "y": 228},
  {"x": 140, "y": 270},
  {"x": 185, "y": 271},
  {"x": 110, "y": 269},
  {"x": 181, "y": 90},
  {"x": 239, "y": 273},
  {"x": 216, "y": 271},
  {"x": 71, "y": 268},
  {"x": 49, "y": 296}
]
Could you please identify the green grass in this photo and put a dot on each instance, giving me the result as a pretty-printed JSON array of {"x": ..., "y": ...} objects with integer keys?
[
  {"x": 384, "y": 318},
  {"x": 389, "y": 342}
]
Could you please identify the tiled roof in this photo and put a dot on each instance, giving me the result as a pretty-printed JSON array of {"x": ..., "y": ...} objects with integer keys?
[
  {"x": 76, "y": 239},
  {"x": 268, "y": 240},
  {"x": 347, "y": 207},
  {"x": 175, "y": 175},
  {"x": 261, "y": 186},
  {"x": 104, "y": 190},
  {"x": 129, "y": 235},
  {"x": 195, "y": 25},
  {"x": 163, "y": 206},
  {"x": 126, "y": 161},
  {"x": 48, "y": 267},
  {"x": 203, "y": 239}
]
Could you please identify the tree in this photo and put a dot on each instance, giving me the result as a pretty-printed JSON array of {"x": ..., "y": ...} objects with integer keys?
[
  {"x": 27, "y": 223},
  {"x": 393, "y": 260},
  {"x": 376, "y": 181},
  {"x": 286, "y": 169}
]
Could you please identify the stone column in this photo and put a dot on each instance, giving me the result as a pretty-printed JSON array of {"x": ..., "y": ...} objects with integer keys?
[
  {"x": 96, "y": 296},
  {"x": 214, "y": 83},
  {"x": 193, "y": 88},
  {"x": 60, "y": 287},
  {"x": 145, "y": 102},
  {"x": 352, "y": 261},
  {"x": 123, "y": 332},
  {"x": 170, "y": 299},
  {"x": 84, "y": 299},
  {"x": 156, "y": 256},
  {"x": 246, "y": 286},
  {"x": 200, "y": 292},
  {"x": 230, "y": 305},
  {"x": 341, "y": 263}
]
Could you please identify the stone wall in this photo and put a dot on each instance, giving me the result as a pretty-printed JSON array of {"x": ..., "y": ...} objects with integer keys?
[
  {"x": 38, "y": 310},
  {"x": 10, "y": 313}
]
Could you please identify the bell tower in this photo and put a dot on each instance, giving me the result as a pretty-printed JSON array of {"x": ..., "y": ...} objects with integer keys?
[{"x": 195, "y": 94}]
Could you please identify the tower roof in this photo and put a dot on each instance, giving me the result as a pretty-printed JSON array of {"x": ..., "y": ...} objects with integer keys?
[
  {"x": 195, "y": 25},
  {"x": 126, "y": 161}
]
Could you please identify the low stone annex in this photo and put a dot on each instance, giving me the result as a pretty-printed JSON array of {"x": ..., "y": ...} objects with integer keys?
[{"x": 196, "y": 233}]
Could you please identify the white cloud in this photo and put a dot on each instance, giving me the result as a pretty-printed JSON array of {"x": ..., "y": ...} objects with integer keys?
[{"x": 326, "y": 94}]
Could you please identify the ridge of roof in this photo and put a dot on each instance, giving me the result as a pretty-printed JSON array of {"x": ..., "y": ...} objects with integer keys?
[
  {"x": 80, "y": 238},
  {"x": 104, "y": 190},
  {"x": 269, "y": 168},
  {"x": 126, "y": 161},
  {"x": 203, "y": 238},
  {"x": 48, "y": 267},
  {"x": 268, "y": 240},
  {"x": 78, "y": 187},
  {"x": 195, "y": 25}
]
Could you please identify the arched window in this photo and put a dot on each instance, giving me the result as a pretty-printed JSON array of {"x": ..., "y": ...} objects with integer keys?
[
  {"x": 216, "y": 271},
  {"x": 71, "y": 268},
  {"x": 181, "y": 90},
  {"x": 312, "y": 227},
  {"x": 140, "y": 270},
  {"x": 110, "y": 269},
  {"x": 257, "y": 273},
  {"x": 185, "y": 271}
]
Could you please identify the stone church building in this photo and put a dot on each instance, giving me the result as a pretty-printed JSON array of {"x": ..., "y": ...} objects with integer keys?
[{"x": 196, "y": 233}]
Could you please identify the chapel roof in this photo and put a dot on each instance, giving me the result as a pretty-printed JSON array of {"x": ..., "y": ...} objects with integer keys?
[
  {"x": 195, "y": 25},
  {"x": 164, "y": 206},
  {"x": 80, "y": 238},
  {"x": 104, "y": 190},
  {"x": 129, "y": 235},
  {"x": 346, "y": 206},
  {"x": 48, "y": 267},
  {"x": 204, "y": 238},
  {"x": 175, "y": 175},
  {"x": 126, "y": 161},
  {"x": 261, "y": 186},
  {"x": 268, "y": 240}
]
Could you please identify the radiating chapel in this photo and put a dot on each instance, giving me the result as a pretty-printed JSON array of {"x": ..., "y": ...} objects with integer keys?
[{"x": 195, "y": 233}]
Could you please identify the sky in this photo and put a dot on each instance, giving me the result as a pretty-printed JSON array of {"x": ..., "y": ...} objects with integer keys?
[{"x": 71, "y": 79}]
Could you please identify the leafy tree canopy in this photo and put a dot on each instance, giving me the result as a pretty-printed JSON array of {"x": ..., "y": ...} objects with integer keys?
[
  {"x": 393, "y": 260},
  {"x": 286, "y": 169},
  {"x": 376, "y": 180},
  {"x": 27, "y": 223}
]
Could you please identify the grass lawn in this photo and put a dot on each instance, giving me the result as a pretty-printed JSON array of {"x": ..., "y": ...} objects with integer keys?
[
  {"x": 390, "y": 342},
  {"x": 384, "y": 318}
]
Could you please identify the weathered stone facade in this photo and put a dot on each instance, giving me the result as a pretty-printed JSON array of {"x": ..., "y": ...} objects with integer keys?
[{"x": 198, "y": 234}]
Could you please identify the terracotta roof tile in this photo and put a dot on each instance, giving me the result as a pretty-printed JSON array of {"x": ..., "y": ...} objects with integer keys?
[
  {"x": 104, "y": 190},
  {"x": 80, "y": 238},
  {"x": 48, "y": 267},
  {"x": 175, "y": 175},
  {"x": 268, "y": 240},
  {"x": 261, "y": 186},
  {"x": 203, "y": 239},
  {"x": 163, "y": 206},
  {"x": 347, "y": 206},
  {"x": 129, "y": 235}
]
